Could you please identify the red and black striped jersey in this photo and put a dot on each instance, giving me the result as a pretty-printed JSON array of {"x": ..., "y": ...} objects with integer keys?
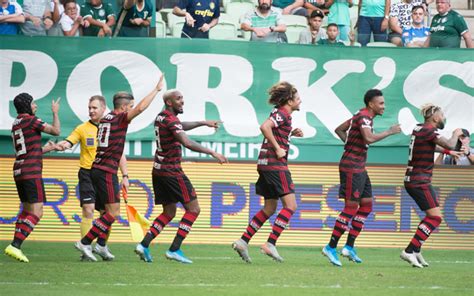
[
  {"x": 110, "y": 141},
  {"x": 267, "y": 160},
  {"x": 421, "y": 154},
  {"x": 26, "y": 134},
  {"x": 168, "y": 148},
  {"x": 355, "y": 150}
]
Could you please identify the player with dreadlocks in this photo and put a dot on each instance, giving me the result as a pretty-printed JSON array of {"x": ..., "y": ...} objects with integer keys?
[{"x": 274, "y": 180}]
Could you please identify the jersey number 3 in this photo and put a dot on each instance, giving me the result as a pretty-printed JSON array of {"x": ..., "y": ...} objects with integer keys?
[{"x": 19, "y": 142}]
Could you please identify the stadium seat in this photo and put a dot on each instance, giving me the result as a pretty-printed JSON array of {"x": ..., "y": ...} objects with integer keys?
[
  {"x": 356, "y": 44},
  {"x": 164, "y": 13},
  {"x": 290, "y": 19},
  {"x": 223, "y": 31},
  {"x": 235, "y": 10},
  {"x": 175, "y": 24},
  {"x": 293, "y": 32},
  {"x": 160, "y": 28},
  {"x": 380, "y": 44}
]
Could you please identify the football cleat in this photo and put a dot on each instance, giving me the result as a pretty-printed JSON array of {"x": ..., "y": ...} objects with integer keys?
[
  {"x": 16, "y": 253},
  {"x": 271, "y": 251},
  {"x": 143, "y": 253},
  {"x": 177, "y": 256},
  {"x": 242, "y": 248},
  {"x": 410, "y": 258},
  {"x": 86, "y": 250},
  {"x": 420, "y": 259},
  {"x": 103, "y": 252},
  {"x": 331, "y": 254},
  {"x": 351, "y": 254}
]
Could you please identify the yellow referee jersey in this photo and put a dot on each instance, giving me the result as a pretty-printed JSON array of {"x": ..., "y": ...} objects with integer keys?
[{"x": 85, "y": 133}]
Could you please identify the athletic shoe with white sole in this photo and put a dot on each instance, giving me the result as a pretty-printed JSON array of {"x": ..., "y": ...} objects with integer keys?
[
  {"x": 410, "y": 258},
  {"x": 177, "y": 256},
  {"x": 331, "y": 253},
  {"x": 103, "y": 252},
  {"x": 420, "y": 259},
  {"x": 351, "y": 254},
  {"x": 271, "y": 251},
  {"x": 143, "y": 253},
  {"x": 242, "y": 248},
  {"x": 86, "y": 250}
]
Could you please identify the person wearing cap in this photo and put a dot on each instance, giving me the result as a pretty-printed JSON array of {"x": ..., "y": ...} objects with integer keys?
[
  {"x": 339, "y": 14},
  {"x": 463, "y": 145},
  {"x": 264, "y": 22},
  {"x": 28, "y": 167},
  {"x": 314, "y": 32}
]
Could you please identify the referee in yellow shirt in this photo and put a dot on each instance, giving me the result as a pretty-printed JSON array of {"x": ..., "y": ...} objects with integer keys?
[{"x": 86, "y": 134}]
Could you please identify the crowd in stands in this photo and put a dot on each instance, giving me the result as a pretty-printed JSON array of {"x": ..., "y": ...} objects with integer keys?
[{"x": 397, "y": 22}]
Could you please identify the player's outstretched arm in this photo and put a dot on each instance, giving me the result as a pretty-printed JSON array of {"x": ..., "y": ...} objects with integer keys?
[
  {"x": 443, "y": 146},
  {"x": 146, "y": 101},
  {"x": 189, "y": 125},
  {"x": 341, "y": 130},
  {"x": 192, "y": 145},
  {"x": 266, "y": 129},
  {"x": 55, "y": 128},
  {"x": 370, "y": 137}
]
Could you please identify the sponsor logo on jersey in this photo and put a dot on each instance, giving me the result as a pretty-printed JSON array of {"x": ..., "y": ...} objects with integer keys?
[{"x": 204, "y": 13}]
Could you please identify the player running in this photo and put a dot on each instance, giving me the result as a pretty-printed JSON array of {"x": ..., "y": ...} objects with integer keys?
[
  {"x": 111, "y": 140},
  {"x": 356, "y": 189},
  {"x": 425, "y": 140},
  {"x": 274, "y": 180},
  {"x": 170, "y": 184},
  {"x": 28, "y": 167}
]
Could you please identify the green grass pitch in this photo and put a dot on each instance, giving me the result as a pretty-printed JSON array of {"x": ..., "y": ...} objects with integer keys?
[{"x": 55, "y": 269}]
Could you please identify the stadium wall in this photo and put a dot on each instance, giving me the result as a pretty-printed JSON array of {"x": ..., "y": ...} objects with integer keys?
[
  {"x": 227, "y": 197},
  {"x": 228, "y": 80}
]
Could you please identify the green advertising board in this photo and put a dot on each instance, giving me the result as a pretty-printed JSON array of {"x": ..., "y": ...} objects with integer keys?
[{"x": 229, "y": 80}]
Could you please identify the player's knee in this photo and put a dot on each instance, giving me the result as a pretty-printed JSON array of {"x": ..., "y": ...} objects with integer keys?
[
  {"x": 88, "y": 212},
  {"x": 292, "y": 207},
  {"x": 351, "y": 208},
  {"x": 195, "y": 210}
]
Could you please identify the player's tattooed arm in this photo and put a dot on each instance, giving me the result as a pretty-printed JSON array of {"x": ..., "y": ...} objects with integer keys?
[
  {"x": 443, "y": 146},
  {"x": 189, "y": 125},
  {"x": 194, "y": 146},
  {"x": 341, "y": 130}
]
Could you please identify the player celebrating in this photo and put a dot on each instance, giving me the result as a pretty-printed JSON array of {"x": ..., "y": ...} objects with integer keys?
[
  {"x": 86, "y": 134},
  {"x": 274, "y": 180},
  {"x": 418, "y": 178},
  {"x": 356, "y": 189},
  {"x": 111, "y": 140},
  {"x": 28, "y": 166},
  {"x": 170, "y": 184}
]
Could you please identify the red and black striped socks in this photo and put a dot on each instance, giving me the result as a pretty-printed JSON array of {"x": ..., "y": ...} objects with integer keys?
[
  {"x": 156, "y": 227},
  {"x": 100, "y": 225},
  {"x": 425, "y": 228},
  {"x": 358, "y": 222},
  {"x": 257, "y": 221},
  {"x": 280, "y": 224},
  {"x": 342, "y": 223},
  {"x": 184, "y": 228},
  {"x": 24, "y": 225}
]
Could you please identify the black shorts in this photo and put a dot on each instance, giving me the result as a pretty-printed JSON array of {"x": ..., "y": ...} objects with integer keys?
[
  {"x": 424, "y": 196},
  {"x": 354, "y": 186},
  {"x": 274, "y": 184},
  {"x": 173, "y": 189},
  {"x": 107, "y": 188},
  {"x": 31, "y": 190},
  {"x": 86, "y": 188}
]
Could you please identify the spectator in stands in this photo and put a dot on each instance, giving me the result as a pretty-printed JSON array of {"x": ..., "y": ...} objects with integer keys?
[
  {"x": 71, "y": 21},
  {"x": 312, "y": 5},
  {"x": 57, "y": 10},
  {"x": 11, "y": 15},
  {"x": 416, "y": 34},
  {"x": 264, "y": 22},
  {"x": 333, "y": 32},
  {"x": 463, "y": 145},
  {"x": 339, "y": 14},
  {"x": 400, "y": 17},
  {"x": 137, "y": 18},
  {"x": 314, "y": 33},
  {"x": 373, "y": 20},
  {"x": 447, "y": 28},
  {"x": 98, "y": 18},
  {"x": 38, "y": 17},
  {"x": 200, "y": 15},
  {"x": 290, "y": 7}
]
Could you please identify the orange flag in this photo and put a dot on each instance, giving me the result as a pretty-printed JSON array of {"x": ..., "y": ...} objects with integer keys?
[{"x": 139, "y": 225}]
